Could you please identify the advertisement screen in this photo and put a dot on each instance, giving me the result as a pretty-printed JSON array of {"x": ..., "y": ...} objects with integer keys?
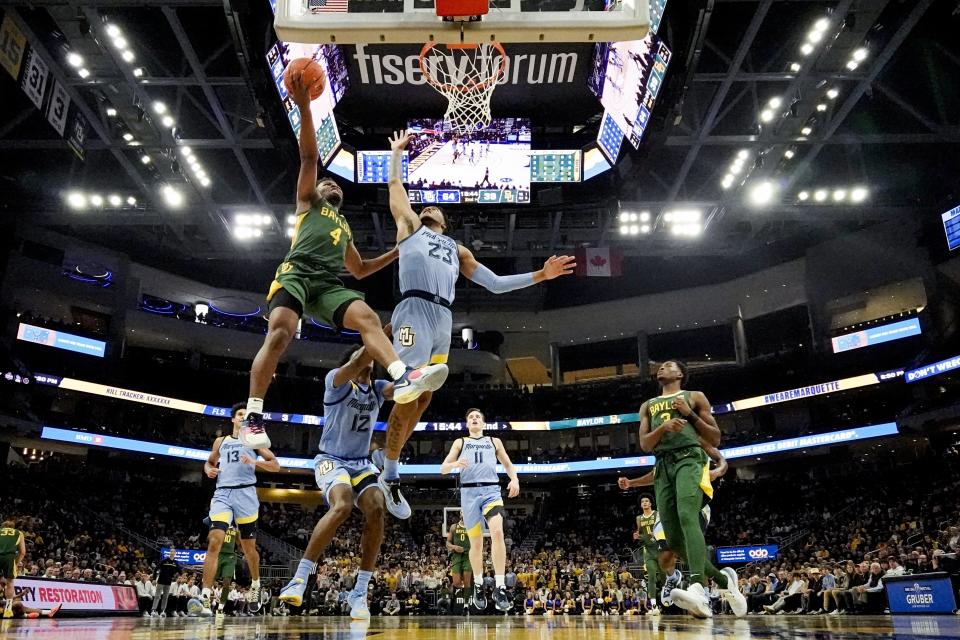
[
  {"x": 920, "y": 593},
  {"x": 877, "y": 335},
  {"x": 755, "y": 553},
  {"x": 40, "y": 593},
  {"x": 951, "y": 227},
  {"x": 555, "y": 166},
  {"x": 344, "y": 165},
  {"x": 610, "y": 138},
  {"x": 935, "y": 369},
  {"x": 594, "y": 162},
  {"x": 189, "y": 557},
  {"x": 61, "y": 340},
  {"x": 330, "y": 57},
  {"x": 488, "y": 166}
]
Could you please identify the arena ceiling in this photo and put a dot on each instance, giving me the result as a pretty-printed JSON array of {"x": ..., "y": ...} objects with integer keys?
[{"x": 890, "y": 124}]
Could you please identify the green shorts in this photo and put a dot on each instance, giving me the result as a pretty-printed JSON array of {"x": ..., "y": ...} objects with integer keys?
[
  {"x": 226, "y": 569},
  {"x": 460, "y": 563},
  {"x": 8, "y": 566},
  {"x": 320, "y": 294}
]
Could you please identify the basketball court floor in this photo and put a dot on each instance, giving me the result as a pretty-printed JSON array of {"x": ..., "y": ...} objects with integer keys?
[{"x": 492, "y": 628}]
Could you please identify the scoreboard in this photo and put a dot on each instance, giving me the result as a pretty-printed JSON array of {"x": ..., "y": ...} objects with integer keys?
[
  {"x": 328, "y": 138},
  {"x": 375, "y": 166},
  {"x": 951, "y": 227},
  {"x": 610, "y": 137},
  {"x": 555, "y": 166}
]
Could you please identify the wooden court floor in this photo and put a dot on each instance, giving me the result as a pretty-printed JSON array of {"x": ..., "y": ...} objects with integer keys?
[{"x": 489, "y": 628}]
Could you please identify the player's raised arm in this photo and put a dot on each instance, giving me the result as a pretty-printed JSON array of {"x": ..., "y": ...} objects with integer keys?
[
  {"x": 210, "y": 466},
  {"x": 513, "y": 489},
  {"x": 451, "y": 462},
  {"x": 645, "y": 480},
  {"x": 700, "y": 416},
  {"x": 403, "y": 214},
  {"x": 309, "y": 155},
  {"x": 360, "y": 268},
  {"x": 554, "y": 267},
  {"x": 359, "y": 360}
]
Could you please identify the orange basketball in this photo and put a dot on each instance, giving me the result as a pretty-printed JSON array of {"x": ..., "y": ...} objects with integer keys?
[{"x": 313, "y": 75}]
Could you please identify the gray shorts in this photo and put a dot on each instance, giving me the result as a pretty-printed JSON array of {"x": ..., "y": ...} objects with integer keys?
[
  {"x": 421, "y": 332},
  {"x": 476, "y": 503},
  {"x": 330, "y": 471},
  {"x": 235, "y": 505}
]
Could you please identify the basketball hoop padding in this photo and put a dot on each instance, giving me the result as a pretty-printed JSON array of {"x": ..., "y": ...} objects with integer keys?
[{"x": 462, "y": 8}]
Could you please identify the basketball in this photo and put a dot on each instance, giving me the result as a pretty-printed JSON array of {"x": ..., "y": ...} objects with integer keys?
[{"x": 312, "y": 73}]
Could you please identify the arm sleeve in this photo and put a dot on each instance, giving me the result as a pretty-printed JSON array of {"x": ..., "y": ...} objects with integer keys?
[{"x": 500, "y": 284}]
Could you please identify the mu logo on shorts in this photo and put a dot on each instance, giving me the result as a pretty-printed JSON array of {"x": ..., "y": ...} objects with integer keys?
[
  {"x": 325, "y": 467},
  {"x": 406, "y": 336}
]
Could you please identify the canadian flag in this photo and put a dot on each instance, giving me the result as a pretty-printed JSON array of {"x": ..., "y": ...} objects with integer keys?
[{"x": 599, "y": 262}]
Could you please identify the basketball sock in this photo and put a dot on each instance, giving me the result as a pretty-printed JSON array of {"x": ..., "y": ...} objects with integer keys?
[
  {"x": 305, "y": 568},
  {"x": 255, "y": 585},
  {"x": 391, "y": 469},
  {"x": 396, "y": 369},
  {"x": 500, "y": 581},
  {"x": 255, "y": 405},
  {"x": 363, "y": 581},
  {"x": 207, "y": 593}
]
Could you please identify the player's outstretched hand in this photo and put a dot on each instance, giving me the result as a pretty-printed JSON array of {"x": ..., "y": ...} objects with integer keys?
[
  {"x": 513, "y": 489},
  {"x": 300, "y": 91},
  {"x": 557, "y": 266},
  {"x": 399, "y": 140},
  {"x": 623, "y": 483}
]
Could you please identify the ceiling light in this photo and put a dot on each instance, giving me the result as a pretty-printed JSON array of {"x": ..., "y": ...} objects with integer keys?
[
  {"x": 624, "y": 229},
  {"x": 96, "y": 200},
  {"x": 794, "y": 66},
  {"x": 668, "y": 216},
  {"x": 292, "y": 219},
  {"x": 839, "y": 195},
  {"x": 762, "y": 194},
  {"x": 132, "y": 201},
  {"x": 802, "y": 196},
  {"x": 74, "y": 59},
  {"x": 633, "y": 217},
  {"x": 766, "y": 115},
  {"x": 820, "y": 195},
  {"x": 266, "y": 220},
  {"x": 113, "y": 31},
  {"x": 822, "y": 107},
  {"x": 788, "y": 154},
  {"x": 127, "y": 56},
  {"x": 833, "y": 93},
  {"x": 645, "y": 216},
  {"x": 241, "y": 219},
  {"x": 743, "y": 154},
  {"x": 775, "y": 102},
  {"x": 815, "y": 36},
  {"x": 727, "y": 181},
  {"x": 806, "y": 131},
  {"x": 290, "y": 231},
  {"x": 257, "y": 233},
  {"x": 76, "y": 200},
  {"x": 83, "y": 73},
  {"x": 821, "y": 24},
  {"x": 138, "y": 72},
  {"x": 634, "y": 229},
  {"x": 120, "y": 43},
  {"x": 172, "y": 196},
  {"x": 205, "y": 181},
  {"x": 111, "y": 112},
  {"x": 736, "y": 168},
  {"x": 852, "y": 65},
  {"x": 201, "y": 174},
  {"x": 243, "y": 233},
  {"x": 128, "y": 136},
  {"x": 860, "y": 54},
  {"x": 185, "y": 150},
  {"x": 624, "y": 217},
  {"x": 159, "y": 107},
  {"x": 167, "y": 121},
  {"x": 645, "y": 228},
  {"x": 114, "y": 200},
  {"x": 858, "y": 194},
  {"x": 806, "y": 49},
  {"x": 145, "y": 159}
]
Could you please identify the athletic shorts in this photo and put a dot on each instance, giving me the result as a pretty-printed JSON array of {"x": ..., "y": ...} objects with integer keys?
[
  {"x": 226, "y": 568},
  {"x": 8, "y": 566},
  {"x": 319, "y": 294},
  {"x": 705, "y": 513},
  {"x": 476, "y": 503},
  {"x": 235, "y": 505},
  {"x": 421, "y": 332},
  {"x": 331, "y": 471},
  {"x": 460, "y": 562}
]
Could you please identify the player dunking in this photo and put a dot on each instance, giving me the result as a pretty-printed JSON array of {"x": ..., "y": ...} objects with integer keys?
[
  {"x": 670, "y": 426},
  {"x": 430, "y": 263},
  {"x": 344, "y": 474},
  {"x": 234, "y": 466},
  {"x": 12, "y": 552},
  {"x": 307, "y": 282},
  {"x": 476, "y": 457},
  {"x": 658, "y": 557}
]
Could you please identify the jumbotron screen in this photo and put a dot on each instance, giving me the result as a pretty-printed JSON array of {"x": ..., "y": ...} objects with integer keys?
[{"x": 488, "y": 166}]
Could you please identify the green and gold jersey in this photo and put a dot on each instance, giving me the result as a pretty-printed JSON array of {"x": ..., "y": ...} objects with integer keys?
[
  {"x": 645, "y": 525},
  {"x": 659, "y": 410},
  {"x": 460, "y": 537},
  {"x": 10, "y": 540},
  {"x": 320, "y": 240},
  {"x": 228, "y": 550}
]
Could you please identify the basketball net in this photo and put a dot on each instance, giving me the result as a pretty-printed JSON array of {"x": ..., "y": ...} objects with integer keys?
[{"x": 466, "y": 75}]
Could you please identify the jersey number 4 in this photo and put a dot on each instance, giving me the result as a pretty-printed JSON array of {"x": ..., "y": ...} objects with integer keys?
[{"x": 436, "y": 248}]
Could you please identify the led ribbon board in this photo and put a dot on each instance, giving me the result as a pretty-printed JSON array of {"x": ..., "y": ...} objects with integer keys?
[{"x": 61, "y": 340}]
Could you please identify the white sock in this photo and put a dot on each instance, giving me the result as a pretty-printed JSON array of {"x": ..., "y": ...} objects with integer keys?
[
  {"x": 207, "y": 592},
  {"x": 255, "y": 405},
  {"x": 395, "y": 369},
  {"x": 500, "y": 581},
  {"x": 255, "y": 585}
]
